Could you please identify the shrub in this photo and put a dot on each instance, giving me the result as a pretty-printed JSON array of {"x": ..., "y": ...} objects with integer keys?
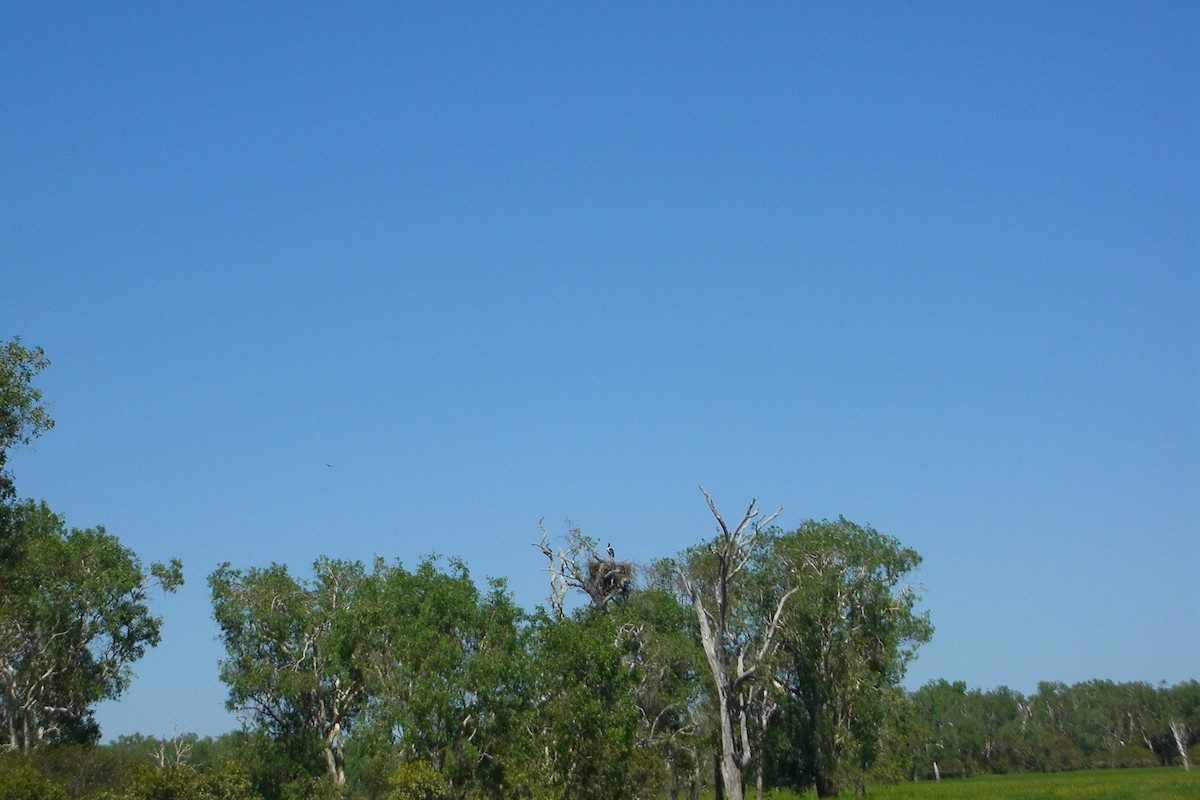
[
  {"x": 83, "y": 771},
  {"x": 181, "y": 783},
  {"x": 23, "y": 782},
  {"x": 1129, "y": 756},
  {"x": 648, "y": 775},
  {"x": 1062, "y": 755},
  {"x": 417, "y": 780}
]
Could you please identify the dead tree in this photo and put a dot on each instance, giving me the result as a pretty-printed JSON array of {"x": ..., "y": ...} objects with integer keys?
[
  {"x": 579, "y": 566},
  {"x": 733, "y": 668},
  {"x": 173, "y": 753}
]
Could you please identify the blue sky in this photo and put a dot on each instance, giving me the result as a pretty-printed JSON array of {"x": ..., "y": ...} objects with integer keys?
[{"x": 930, "y": 266}]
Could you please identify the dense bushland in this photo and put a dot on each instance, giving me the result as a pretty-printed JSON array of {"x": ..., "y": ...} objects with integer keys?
[{"x": 241, "y": 766}]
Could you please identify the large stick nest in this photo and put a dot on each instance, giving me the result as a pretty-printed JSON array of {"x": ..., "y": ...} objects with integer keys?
[{"x": 607, "y": 579}]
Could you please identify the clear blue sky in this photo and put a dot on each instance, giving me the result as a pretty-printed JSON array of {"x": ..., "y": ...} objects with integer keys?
[{"x": 934, "y": 267}]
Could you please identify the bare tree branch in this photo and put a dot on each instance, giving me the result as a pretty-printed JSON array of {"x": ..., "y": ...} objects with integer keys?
[
  {"x": 734, "y": 552},
  {"x": 578, "y": 566}
]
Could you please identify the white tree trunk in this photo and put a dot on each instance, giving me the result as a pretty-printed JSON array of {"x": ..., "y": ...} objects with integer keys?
[
  {"x": 1180, "y": 732},
  {"x": 731, "y": 763},
  {"x": 734, "y": 551}
]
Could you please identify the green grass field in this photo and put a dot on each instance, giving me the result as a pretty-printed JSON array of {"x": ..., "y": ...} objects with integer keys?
[{"x": 1109, "y": 784}]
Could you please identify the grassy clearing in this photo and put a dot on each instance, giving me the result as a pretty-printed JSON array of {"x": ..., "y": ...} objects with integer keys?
[{"x": 1107, "y": 784}]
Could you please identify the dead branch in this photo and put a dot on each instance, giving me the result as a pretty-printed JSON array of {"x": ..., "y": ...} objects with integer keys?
[{"x": 601, "y": 579}]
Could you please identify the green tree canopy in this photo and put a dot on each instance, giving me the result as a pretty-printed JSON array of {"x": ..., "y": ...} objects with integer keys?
[
  {"x": 73, "y": 618},
  {"x": 291, "y": 652},
  {"x": 22, "y": 419},
  {"x": 73, "y": 602},
  {"x": 22, "y": 415},
  {"x": 441, "y": 660},
  {"x": 844, "y": 644}
]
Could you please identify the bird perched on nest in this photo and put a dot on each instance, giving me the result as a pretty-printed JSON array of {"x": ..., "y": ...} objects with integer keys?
[{"x": 611, "y": 555}]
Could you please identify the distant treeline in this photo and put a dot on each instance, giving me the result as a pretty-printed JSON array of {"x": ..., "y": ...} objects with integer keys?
[{"x": 1094, "y": 724}]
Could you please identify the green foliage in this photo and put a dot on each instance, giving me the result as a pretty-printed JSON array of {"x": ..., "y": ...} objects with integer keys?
[
  {"x": 584, "y": 721},
  {"x": 82, "y": 771},
  {"x": 370, "y": 762},
  {"x": 285, "y": 767},
  {"x": 419, "y": 665},
  {"x": 126, "y": 770},
  {"x": 417, "y": 780},
  {"x": 133, "y": 749},
  {"x": 1059, "y": 728},
  {"x": 74, "y": 616},
  {"x": 426, "y": 635},
  {"x": 291, "y": 652},
  {"x": 1131, "y": 784},
  {"x": 202, "y": 754},
  {"x": 20, "y": 781},
  {"x": 847, "y": 636},
  {"x": 442, "y": 664},
  {"x": 953, "y": 732},
  {"x": 22, "y": 415},
  {"x": 648, "y": 776},
  {"x": 661, "y": 648},
  {"x": 1125, "y": 757},
  {"x": 181, "y": 783},
  {"x": 1062, "y": 755},
  {"x": 73, "y": 611}
]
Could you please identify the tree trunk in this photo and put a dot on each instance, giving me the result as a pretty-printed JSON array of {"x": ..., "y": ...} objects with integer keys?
[
  {"x": 731, "y": 769},
  {"x": 1179, "y": 732},
  {"x": 760, "y": 743},
  {"x": 335, "y": 757},
  {"x": 818, "y": 760},
  {"x": 733, "y": 553},
  {"x": 826, "y": 787}
]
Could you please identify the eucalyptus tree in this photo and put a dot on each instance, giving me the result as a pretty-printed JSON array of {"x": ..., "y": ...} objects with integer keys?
[
  {"x": 582, "y": 721},
  {"x": 441, "y": 662},
  {"x": 576, "y": 564},
  {"x": 1010, "y": 742},
  {"x": 736, "y": 633},
  {"x": 23, "y": 417},
  {"x": 659, "y": 643},
  {"x": 615, "y": 681},
  {"x": 1104, "y": 719},
  {"x": 291, "y": 646},
  {"x": 74, "y": 611},
  {"x": 844, "y": 643},
  {"x": 1182, "y": 703},
  {"x": 74, "y": 616},
  {"x": 951, "y": 728}
]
